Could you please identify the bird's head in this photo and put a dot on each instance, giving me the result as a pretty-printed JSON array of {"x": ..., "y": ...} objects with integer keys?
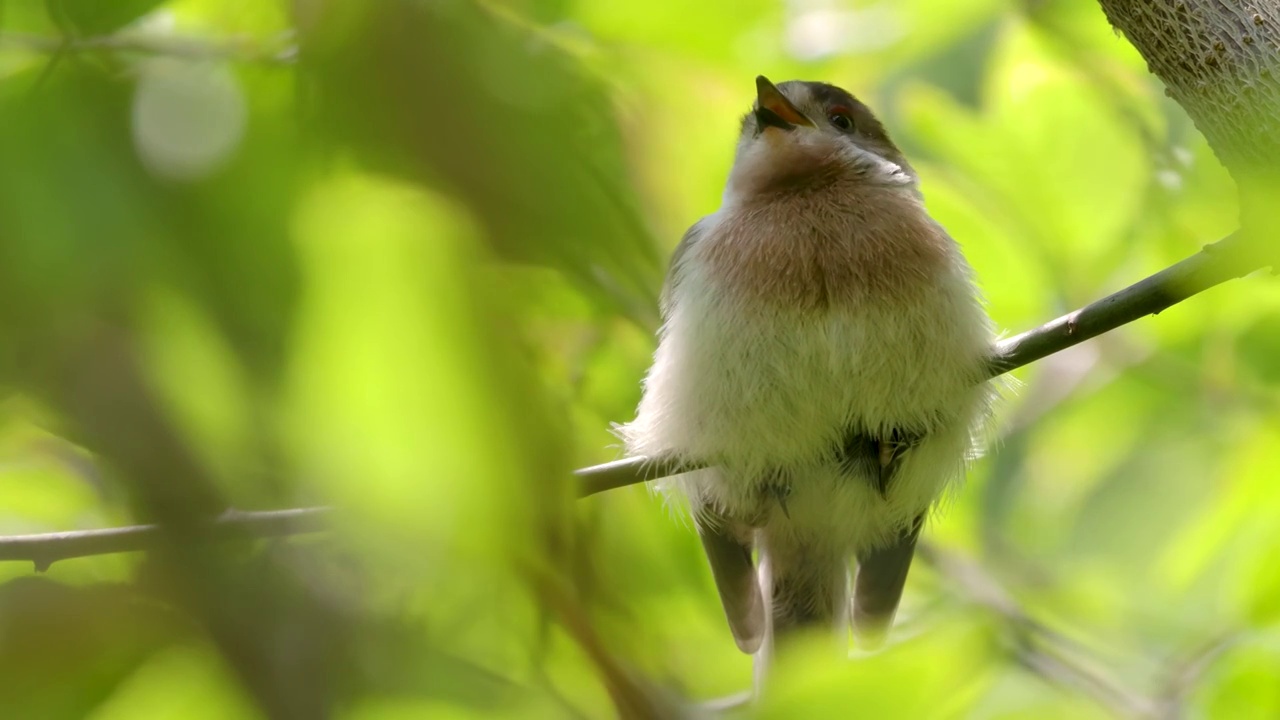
[{"x": 809, "y": 134}]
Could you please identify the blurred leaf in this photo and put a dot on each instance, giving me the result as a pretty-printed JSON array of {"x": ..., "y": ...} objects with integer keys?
[
  {"x": 704, "y": 30},
  {"x": 496, "y": 113},
  {"x": 390, "y": 381},
  {"x": 1259, "y": 348},
  {"x": 62, "y": 270},
  {"x": 1245, "y": 683},
  {"x": 63, "y": 650},
  {"x": 1078, "y": 170},
  {"x": 929, "y": 676},
  {"x": 232, "y": 17},
  {"x": 186, "y": 682},
  {"x": 99, "y": 17},
  {"x": 1012, "y": 275}
]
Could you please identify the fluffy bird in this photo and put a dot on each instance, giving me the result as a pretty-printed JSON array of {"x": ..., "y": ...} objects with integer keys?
[{"x": 823, "y": 351}]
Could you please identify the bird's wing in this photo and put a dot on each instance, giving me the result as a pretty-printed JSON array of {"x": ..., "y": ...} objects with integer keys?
[
  {"x": 691, "y": 237},
  {"x": 889, "y": 452},
  {"x": 728, "y": 549},
  {"x": 726, "y": 541},
  {"x": 865, "y": 455},
  {"x": 882, "y": 573}
]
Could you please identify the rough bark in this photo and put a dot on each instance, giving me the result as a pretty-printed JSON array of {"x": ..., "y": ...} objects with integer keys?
[{"x": 1220, "y": 60}]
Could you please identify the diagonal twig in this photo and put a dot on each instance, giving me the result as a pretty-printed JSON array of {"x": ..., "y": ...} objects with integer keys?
[
  {"x": 1183, "y": 673},
  {"x": 1034, "y": 645}
]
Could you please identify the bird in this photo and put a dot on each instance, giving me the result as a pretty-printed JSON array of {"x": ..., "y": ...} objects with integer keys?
[{"x": 823, "y": 357}]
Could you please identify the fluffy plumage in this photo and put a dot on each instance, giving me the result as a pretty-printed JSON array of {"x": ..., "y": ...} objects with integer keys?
[{"x": 824, "y": 348}]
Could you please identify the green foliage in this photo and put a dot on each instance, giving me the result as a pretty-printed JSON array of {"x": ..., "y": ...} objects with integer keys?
[{"x": 409, "y": 268}]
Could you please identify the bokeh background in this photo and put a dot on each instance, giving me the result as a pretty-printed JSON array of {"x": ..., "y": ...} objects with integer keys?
[{"x": 401, "y": 258}]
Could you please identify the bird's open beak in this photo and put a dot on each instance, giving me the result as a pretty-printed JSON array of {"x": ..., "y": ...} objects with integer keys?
[{"x": 775, "y": 109}]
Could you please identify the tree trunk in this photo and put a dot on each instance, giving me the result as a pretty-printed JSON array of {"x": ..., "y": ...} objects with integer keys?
[{"x": 1220, "y": 60}]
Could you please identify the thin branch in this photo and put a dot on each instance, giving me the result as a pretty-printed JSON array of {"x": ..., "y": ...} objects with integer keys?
[
  {"x": 1035, "y": 646},
  {"x": 1184, "y": 673},
  {"x": 627, "y": 471},
  {"x": 1215, "y": 264},
  {"x": 278, "y": 52},
  {"x": 1224, "y": 260},
  {"x": 47, "y": 548},
  {"x": 1058, "y": 670}
]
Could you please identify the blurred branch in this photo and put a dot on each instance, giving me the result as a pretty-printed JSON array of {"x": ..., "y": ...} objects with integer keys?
[
  {"x": 1186, "y": 672},
  {"x": 729, "y": 703},
  {"x": 281, "y": 51},
  {"x": 1035, "y": 646},
  {"x": 47, "y": 548},
  {"x": 1215, "y": 264},
  {"x": 633, "y": 697}
]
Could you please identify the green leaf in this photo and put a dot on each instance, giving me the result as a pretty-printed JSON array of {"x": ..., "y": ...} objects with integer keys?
[
  {"x": 1079, "y": 170},
  {"x": 99, "y": 17}
]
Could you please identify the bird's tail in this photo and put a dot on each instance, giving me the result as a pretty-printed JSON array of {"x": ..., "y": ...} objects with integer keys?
[
  {"x": 807, "y": 586},
  {"x": 882, "y": 573},
  {"x": 805, "y": 583}
]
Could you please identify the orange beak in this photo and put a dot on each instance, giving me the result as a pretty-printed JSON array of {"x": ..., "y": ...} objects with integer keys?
[{"x": 775, "y": 107}]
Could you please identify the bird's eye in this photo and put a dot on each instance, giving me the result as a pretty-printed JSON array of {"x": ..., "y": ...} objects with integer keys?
[{"x": 841, "y": 119}]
